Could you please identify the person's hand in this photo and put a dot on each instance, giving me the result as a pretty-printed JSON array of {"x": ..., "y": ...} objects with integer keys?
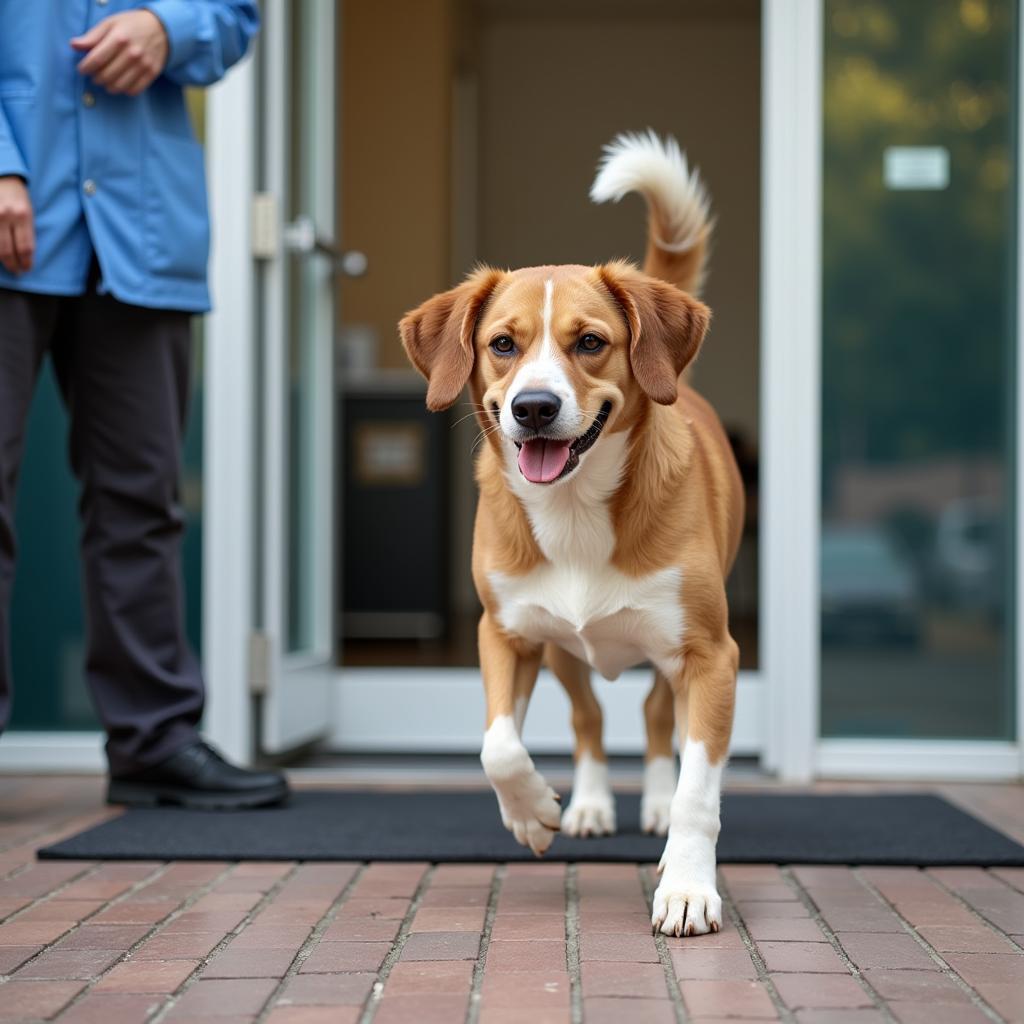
[
  {"x": 17, "y": 234},
  {"x": 125, "y": 52}
]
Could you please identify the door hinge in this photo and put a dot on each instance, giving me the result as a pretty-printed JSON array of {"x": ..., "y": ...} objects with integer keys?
[
  {"x": 265, "y": 226},
  {"x": 259, "y": 663}
]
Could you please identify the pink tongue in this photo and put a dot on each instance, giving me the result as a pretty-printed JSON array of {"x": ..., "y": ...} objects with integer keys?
[{"x": 542, "y": 459}]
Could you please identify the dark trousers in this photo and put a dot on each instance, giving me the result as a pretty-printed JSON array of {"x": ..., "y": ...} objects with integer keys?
[{"x": 123, "y": 372}]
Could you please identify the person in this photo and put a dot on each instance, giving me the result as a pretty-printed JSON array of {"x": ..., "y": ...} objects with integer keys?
[{"x": 103, "y": 250}]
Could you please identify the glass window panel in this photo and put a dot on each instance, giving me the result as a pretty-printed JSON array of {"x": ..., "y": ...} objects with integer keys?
[{"x": 918, "y": 403}]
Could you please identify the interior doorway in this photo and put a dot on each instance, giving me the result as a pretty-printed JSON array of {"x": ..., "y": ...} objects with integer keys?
[{"x": 473, "y": 136}]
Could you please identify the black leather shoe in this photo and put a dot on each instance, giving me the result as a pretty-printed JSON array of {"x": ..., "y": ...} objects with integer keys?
[{"x": 197, "y": 776}]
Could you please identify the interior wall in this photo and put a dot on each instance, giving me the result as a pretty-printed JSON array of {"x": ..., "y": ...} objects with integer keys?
[
  {"x": 556, "y": 82},
  {"x": 396, "y": 81}
]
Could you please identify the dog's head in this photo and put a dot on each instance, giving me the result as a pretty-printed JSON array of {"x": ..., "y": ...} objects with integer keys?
[{"x": 555, "y": 356}]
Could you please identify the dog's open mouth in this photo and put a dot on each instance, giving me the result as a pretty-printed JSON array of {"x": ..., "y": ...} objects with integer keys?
[{"x": 542, "y": 460}]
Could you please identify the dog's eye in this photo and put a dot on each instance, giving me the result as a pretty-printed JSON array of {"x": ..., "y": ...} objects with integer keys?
[
  {"x": 503, "y": 345},
  {"x": 590, "y": 343}
]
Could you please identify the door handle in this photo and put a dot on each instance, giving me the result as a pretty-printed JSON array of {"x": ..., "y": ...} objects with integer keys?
[{"x": 301, "y": 237}]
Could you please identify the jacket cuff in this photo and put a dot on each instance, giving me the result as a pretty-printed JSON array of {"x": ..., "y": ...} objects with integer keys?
[
  {"x": 181, "y": 24},
  {"x": 11, "y": 162}
]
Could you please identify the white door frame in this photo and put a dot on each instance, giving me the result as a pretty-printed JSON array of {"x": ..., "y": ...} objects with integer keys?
[{"x": 793, "y": 43}]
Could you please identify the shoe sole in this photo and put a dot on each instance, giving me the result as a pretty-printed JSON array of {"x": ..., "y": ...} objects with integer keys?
[{"x": 130, "y": 794}]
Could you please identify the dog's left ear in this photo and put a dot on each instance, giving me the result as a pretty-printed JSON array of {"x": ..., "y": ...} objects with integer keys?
[
  {"x": 438, "y": 336},
  {"x": 666, "y": 327}
]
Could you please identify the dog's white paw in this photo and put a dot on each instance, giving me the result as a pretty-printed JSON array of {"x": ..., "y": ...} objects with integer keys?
[
  {"x": 686, "y": 901},
  {"x": 590, "y": 816},
  {"x": 529, "y": 809},
  {"x": 654, "y": 815},
  {"x": 591, "y": 811},
  {"x": 695, "y": 910}
]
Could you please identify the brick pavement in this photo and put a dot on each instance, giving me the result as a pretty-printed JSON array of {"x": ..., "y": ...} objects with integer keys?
[{"x": 288, "y": 943}]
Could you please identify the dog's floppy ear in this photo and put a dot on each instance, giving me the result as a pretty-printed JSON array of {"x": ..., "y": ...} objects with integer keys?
[
  {"x": 666, "y": 327},
  {"x": 438, "y": 336}
]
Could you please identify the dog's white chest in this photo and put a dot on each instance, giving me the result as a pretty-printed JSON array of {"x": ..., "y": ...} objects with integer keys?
[{"x": 610, "y": 620}]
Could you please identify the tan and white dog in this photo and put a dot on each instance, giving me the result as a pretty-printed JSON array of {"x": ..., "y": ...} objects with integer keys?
[{"x": 609, "y": 516}]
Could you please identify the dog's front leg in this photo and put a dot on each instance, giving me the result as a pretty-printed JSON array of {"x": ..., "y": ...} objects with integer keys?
[
  {"x": 529, "y": 806},
  {"x": 686, "y": 901}
]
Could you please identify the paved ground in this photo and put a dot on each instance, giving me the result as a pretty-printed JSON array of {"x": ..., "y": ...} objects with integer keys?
[{"x": 534, "y": 943}]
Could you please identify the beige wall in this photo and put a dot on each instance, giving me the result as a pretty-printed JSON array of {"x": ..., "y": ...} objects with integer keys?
[
  {"x": 558, "y": 80},
  {"x": 396, "y": 61}
]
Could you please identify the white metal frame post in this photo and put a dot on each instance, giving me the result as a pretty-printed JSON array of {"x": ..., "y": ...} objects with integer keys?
[
  {"x": 228, "y": 443},
  {"x": 790, "y": 379}
]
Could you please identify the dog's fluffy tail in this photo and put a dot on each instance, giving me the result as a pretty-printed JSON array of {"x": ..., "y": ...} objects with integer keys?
[{"x": 679, "y": 211}]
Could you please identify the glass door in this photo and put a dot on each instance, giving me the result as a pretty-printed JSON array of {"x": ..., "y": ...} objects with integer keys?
[
  {"x": 918, "y": 399},
  {"x": 295, "y": 646}
]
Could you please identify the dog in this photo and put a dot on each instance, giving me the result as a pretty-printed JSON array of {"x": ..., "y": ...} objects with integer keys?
[{"x": 609, "y": 515}]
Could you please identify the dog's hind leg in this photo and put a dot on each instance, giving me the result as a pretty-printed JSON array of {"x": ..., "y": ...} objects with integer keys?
[
  {"x": 529, "y": 806},
  {"x": 591, "y": 811},
  {"x": 660, "y": 761}
]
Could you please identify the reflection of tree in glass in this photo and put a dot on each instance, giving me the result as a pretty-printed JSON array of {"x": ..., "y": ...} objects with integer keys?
[{"x": 917, "y": 287}]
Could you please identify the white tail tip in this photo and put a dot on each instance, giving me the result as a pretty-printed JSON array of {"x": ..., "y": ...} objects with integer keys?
[{"x": 657, "y": 169}]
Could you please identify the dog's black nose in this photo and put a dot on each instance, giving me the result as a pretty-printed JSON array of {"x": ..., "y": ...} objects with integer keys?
[{"x": 535, "y": 409}]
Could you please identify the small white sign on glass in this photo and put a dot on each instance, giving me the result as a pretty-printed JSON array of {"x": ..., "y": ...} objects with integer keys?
[{"x": 916, "y": 167}]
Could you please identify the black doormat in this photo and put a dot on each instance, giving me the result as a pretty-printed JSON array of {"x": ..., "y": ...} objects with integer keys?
[{"x": 915, "y": 829}]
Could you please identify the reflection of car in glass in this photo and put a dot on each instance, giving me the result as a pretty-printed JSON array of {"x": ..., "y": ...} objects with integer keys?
[
  {"x": 969, "y": 555},
  {"x": 868, "y": 589}
]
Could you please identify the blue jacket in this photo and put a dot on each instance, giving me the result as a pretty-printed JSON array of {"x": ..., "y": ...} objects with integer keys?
[{"x": 117, "y": 175}]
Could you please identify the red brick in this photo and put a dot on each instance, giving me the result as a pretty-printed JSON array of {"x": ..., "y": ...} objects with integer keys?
[
  {"x": 455, "y": 896},
  {"x": 802, "y": 957},
  {"x": 693, "y": 962},
  {"x": 937, "y": 1013},
  {"x": 177, "y": 946},
  {"x": 136, "y": 912},
  {"x": 412, "y": 976},
  {"x": 393, "y": 909},
  {"x": 630, "y": 948},
  {"x": 624, "y": 979},
  {"x": 327, "y": 989},
  {"x": 143, "y": 976},
  {"x": 619, "y": 923},
  {"x": 211, "y": 921},
  {"x": 928, "y": 986},
  {"x": 446, "y": 1008},
  {"x": 33, "y": 999},
  {"x": 250, "y": 963},
  {"x": 365, "y": 929},
  {"x": 514, "y": 1015},
  {"x": 727, "y": 998},
  {"x": 449, "y": 919},
  {"x": 260, "y": 936},
  {"x": 820, "y": 991},
  {"x": 874, "y": 918},
  {"x": 12, "y": 957},
  {"x": 512, "y": 955},
  {"x": 314, "y": 1015},
  {"x": 867, "y": 949},
  {"x": 111, "y": 1008},
  {"x": 785, "y": 929},
  {"x": 1006, "y": 998},
  {"x": 474, "y": 875},
  {"x": 529, "y": 926},
  {"x": 32, "y": 933},
  {"x": 840, "y": 1017},
  {"x": 826, "y": 877},
  {"x": 636, "y": 1011},
  {"x": 976, "y": 939},
  {"x": 980, "y": 968},
  {"x": 224, "y": 997},
  {"x": 526, "y": 990},
  {"x": 61, "y": 910},
  {"x": 747, "y": 892},
  {"x": 70, "y": 963},
  {"x": 752, "y": 910},
  {"x": 441, "y": 946},
  {"x": 105, "y": 936},
  {"x": 332, "y": 957}
]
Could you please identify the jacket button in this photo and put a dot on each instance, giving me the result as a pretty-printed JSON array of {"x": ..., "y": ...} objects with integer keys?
[
  {"x": 89, "y": 187},
  {"x": 88, "y": 99}
]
